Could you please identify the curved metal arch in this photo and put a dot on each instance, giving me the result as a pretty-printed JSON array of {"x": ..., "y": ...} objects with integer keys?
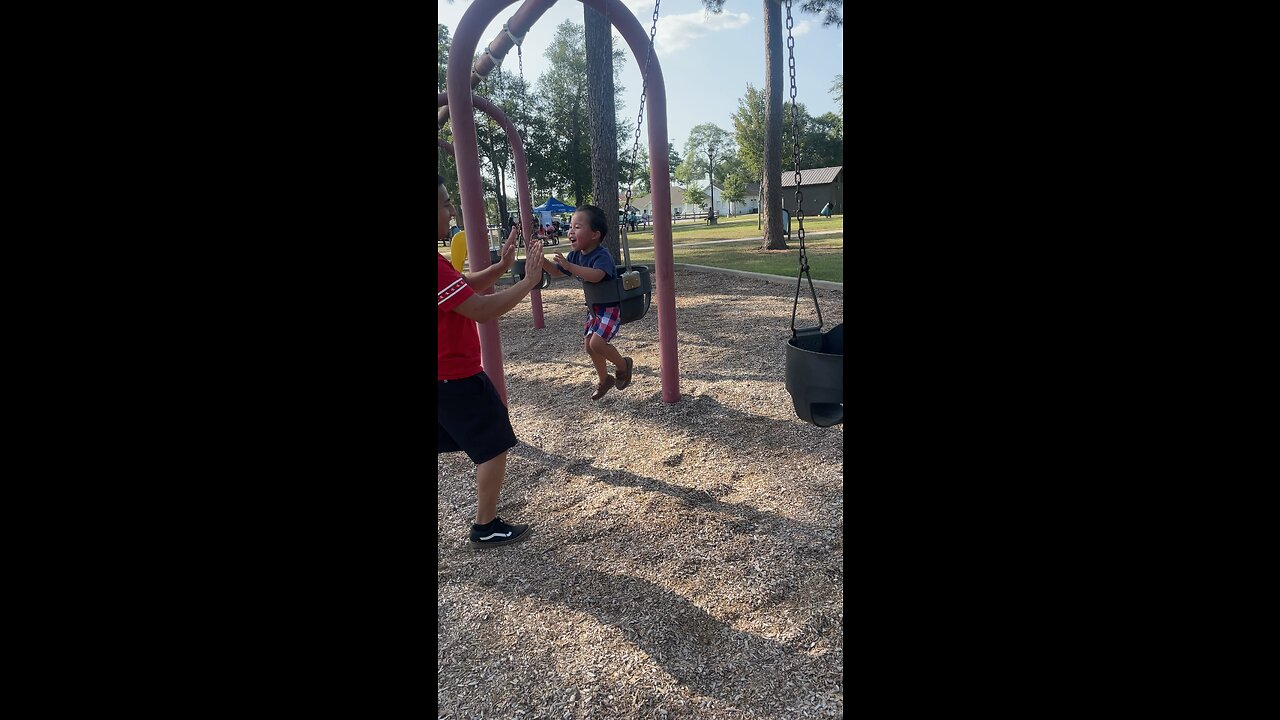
[
  {"x": 466, "y": 38},
  {"x": 522, "y": 197}
]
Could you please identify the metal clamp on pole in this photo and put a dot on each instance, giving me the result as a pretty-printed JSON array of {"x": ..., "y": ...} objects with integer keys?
[
  {"x": 497, "y": 61},
  {"x": 506, "y": 29}
]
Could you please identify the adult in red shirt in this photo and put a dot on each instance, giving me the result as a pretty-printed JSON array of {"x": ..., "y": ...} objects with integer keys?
[{"x": 470, "y": 415}]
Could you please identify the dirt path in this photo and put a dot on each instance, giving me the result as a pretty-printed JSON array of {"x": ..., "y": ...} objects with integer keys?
[{"x": 687, "y": 559}]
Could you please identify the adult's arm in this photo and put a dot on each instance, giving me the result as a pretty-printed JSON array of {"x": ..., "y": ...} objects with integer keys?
[
  {"x": 483, "y": 308},
  {"x": 484, "y": 279}
]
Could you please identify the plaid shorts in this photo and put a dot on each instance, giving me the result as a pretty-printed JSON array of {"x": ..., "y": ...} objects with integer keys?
[{"x": 603, "y": 321}]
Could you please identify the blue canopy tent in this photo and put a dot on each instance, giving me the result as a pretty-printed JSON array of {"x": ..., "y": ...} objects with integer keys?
[
  {"x": 544, "y": 212},
  {"x": 554, "y": 206}
]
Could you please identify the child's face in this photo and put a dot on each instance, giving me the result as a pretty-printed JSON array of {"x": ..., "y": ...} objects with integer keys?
[
  {"x": 444, "y": 212},
  {"x": 580, "y": 233}
]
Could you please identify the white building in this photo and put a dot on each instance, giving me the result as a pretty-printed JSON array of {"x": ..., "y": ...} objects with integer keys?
[{"x": 751, "y": 203}]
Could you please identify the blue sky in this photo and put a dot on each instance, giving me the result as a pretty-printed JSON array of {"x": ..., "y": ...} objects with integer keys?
[{"x": 707, "y": 59}]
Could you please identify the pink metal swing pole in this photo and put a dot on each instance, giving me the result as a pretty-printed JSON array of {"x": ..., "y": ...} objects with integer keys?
[
  {"x": 458, "y": 79},
  {"x": 522, "y": 190}
]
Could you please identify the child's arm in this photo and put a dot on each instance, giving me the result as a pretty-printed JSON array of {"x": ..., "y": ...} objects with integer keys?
[
  {"x": 588, "y": 274},
  {"x": 551, "y": 268}
]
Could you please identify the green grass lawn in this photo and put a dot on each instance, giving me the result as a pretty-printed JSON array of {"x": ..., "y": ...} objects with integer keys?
[
  {"x": 826, "y": 257},
  {"x": 739, "y": 226}
]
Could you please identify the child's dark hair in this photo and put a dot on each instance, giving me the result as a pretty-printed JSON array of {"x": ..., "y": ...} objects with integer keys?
[
  {"x": 441, "y": 179},
  {"x": 598, "y": 221}
]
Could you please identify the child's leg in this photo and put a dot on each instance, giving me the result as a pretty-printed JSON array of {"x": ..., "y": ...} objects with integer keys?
[
  {"x": 621, "y": 365},
  {"x": 601, "y": 369},
  {"x": 600, "y": 347}
]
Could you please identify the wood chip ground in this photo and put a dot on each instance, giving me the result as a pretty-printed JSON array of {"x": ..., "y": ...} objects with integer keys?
[{"x": 686, "y": 559}]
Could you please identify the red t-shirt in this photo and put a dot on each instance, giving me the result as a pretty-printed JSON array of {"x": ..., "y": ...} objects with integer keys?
[{"x": 458, "y": 354}]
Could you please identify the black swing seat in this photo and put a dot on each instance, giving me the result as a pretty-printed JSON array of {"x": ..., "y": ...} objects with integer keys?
[
  {"x": 633, "y": 302},
  {"x": 519, "y": 269},
  {"x": 815, "y": 374}
]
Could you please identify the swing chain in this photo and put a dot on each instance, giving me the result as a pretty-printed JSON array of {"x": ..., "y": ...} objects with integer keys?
[
  {"x": 644, "y": 87},
  {"x": 519, "y": 42},
  {"x": 795, "y": 146}
]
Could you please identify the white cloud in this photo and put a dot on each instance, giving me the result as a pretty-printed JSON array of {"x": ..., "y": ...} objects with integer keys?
[
  {"x": 677, "y": 32},
  {"x": 798, "y": 28}
]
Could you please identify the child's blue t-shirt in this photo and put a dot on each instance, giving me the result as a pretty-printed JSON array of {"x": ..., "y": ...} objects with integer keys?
[{"x": 598, "y": 258}]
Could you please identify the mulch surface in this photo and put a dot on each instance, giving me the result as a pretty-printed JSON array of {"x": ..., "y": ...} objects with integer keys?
[{"x": 686, "y": 559}]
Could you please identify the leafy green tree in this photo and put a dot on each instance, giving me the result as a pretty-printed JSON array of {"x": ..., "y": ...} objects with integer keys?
[
  {"x": 730, "y": 165},
  {"x": 748, "y": 131},
  {"x": 563, "y": 139},
  {"x": 673, "y": 159},
  {"x": 562, "y": 98},
  {"x": 687, "y": 173},
  {"x": 823, "y": 144},
  {"x": 706, "y": 149},
  {"x": 775, "y": 58},
  {"x": 837, "y": 89},
  {"x": 832, "y": 11},
  {"x": 445, "y": 164},
  {"x": 509, "y": 92},
  {"x": 442, "y": 54},
  {"x": 695, "y": 196},
  {"x": 635, "y": 169},
  {"x": 735, "y": 189}
]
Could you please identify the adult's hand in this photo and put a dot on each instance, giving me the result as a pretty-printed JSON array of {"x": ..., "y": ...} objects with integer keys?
[
  {"x": 508, "y": 256},
  {"x": 533, "y": 265}
]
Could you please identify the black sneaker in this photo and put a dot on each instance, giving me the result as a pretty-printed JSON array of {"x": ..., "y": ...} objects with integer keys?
[{"x": 497, "y": 533}]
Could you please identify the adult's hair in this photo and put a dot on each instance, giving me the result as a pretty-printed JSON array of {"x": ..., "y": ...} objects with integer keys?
[{"x": 598, "y": 221}]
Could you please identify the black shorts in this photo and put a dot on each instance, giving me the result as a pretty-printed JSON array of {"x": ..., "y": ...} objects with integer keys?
[{"x": 471, "y": 417}]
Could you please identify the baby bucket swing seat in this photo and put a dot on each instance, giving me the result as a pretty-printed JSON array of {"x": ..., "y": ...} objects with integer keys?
[
  {"x": 814, "y": 359},
  {"x": 632, "y": 285}
]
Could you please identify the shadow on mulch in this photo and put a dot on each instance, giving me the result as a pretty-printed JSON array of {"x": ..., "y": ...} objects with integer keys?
[
  {"x": 688, "y": 643},
  {"x": 752, "y": 519}
]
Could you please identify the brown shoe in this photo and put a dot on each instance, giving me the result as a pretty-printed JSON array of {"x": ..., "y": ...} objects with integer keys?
[
  {"x": 624, "y": 374},
  {"x": 603, "y": 387}
]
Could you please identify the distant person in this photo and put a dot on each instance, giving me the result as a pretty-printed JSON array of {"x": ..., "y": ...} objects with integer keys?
[
  {"x": 631, "y": 219},
  {"x": 645, "y": 218},
  {"x": 825, "y": 211},
  {"x": 591, "y": 262}
]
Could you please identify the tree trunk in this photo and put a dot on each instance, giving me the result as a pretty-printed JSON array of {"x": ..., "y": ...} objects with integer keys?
[
  {"x": 575, "y": 150},
  {"x": 771, "y": 185},
  {"x": 603, "y": 125}
]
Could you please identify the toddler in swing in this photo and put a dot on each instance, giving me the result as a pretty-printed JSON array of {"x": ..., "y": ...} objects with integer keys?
[{"x": 591, "y": 262}]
